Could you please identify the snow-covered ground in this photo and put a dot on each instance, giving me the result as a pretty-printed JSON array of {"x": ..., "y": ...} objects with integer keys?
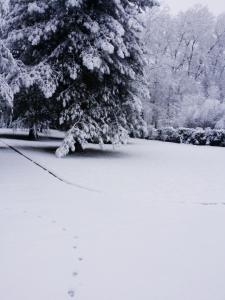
[{"x": 145, "y": 221}]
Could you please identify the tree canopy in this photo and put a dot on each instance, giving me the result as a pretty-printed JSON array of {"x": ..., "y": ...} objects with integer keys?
[{"x": 86, "y": 56}]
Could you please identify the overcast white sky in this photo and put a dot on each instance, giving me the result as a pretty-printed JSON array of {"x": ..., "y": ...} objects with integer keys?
[{"x": 215, "y": 6}]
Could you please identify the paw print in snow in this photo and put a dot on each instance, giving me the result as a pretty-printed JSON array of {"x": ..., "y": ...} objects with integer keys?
[
  {"x": 75, "y": 274},
  {"x": 71, "y": 293}
]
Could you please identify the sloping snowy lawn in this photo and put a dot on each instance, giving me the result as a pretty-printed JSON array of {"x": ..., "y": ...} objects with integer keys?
[{"x": 147, "y": 222}]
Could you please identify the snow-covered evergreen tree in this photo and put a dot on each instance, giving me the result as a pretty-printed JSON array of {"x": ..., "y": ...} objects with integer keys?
[
  {"x": 6, "y": 94},
  {"x": 86, "y": 56},
  {"x": 8, "y": 70},
  {"x": 12, "y": 72}
]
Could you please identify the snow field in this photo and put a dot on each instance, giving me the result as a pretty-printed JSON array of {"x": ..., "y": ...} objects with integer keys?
[{"x": 154, "y": 231}]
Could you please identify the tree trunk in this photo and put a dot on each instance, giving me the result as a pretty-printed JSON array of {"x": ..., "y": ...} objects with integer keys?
[
  {"x": 78, "y": 147},
  {"x": 33, "y": 134}
]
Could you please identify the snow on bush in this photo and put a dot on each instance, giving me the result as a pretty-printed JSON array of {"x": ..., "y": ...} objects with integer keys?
[
  {"x": 33, "y": 7},
  {"x": 198, "y": 136}
]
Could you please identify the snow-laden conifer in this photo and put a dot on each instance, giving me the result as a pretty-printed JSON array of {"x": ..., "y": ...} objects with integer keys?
[{"x": 86, "y": 56}]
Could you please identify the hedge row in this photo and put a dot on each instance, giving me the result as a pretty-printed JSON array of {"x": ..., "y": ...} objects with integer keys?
[{"x": 198, "y": 136}]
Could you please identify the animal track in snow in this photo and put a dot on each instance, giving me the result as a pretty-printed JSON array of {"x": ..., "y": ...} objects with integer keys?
[
  {"x": 71, "y": 293},
  {"x": 75, "y": 274},
  {"x": 209, "y": 204}
]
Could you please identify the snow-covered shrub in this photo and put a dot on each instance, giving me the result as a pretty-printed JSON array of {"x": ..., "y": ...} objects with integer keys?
[
  {"x": 185, "y": 135},
  {"x": 169, "y": 134},
  {"x": 215, "y": 137},
  {"x": 198, "y": 136}
]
